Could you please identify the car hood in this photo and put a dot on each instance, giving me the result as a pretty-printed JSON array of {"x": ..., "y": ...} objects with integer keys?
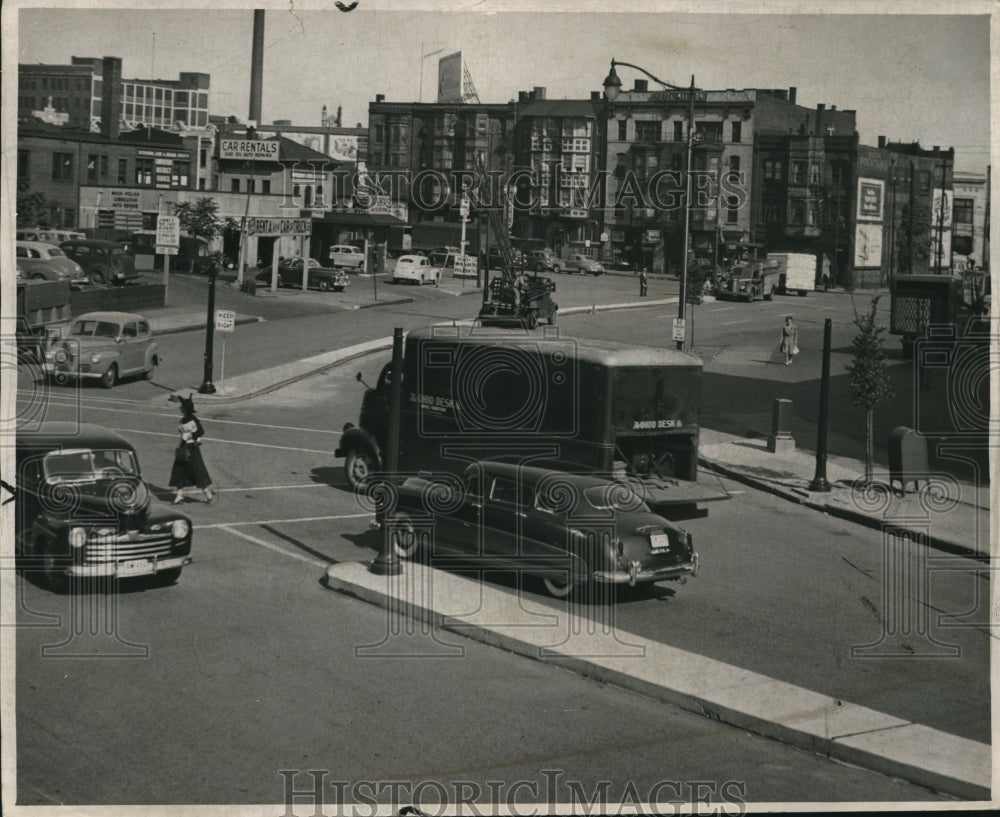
[
  {"x": 125, "y": 498},
  {"x": 88, "y": 344}
]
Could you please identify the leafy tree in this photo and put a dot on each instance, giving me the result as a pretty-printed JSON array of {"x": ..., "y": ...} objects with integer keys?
[
  {"x": 867, "y": 377},
  {"x": 33, "y": 209},
  {"x": 200, "y": 219},
  {"x": 922, "y": 238}
]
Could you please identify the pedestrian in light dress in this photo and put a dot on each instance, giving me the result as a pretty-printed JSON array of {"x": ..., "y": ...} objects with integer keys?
[
  {"x": 789, "y": 340},
  {"x": 189, "y": 469}
]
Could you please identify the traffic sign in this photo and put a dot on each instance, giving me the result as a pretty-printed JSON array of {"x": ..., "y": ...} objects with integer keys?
[
  {"x": 168, "y": 231},
  {"x": 166, "y": 250},
  {"x": 679, "y": 329},
  {"x": 225, "y": 320}
]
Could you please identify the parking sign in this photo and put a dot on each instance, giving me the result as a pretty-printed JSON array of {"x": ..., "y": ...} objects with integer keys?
[
  {"x": 168, "y": 231},
  {"x": 225, "y": 320}
]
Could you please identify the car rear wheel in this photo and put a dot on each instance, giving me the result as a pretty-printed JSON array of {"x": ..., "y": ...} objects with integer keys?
[
  {"x": 110, "y": 377},
  {"x": 97, "y": 277},
  {"x": 37, "y": 277},
  {"x": 559, "y": 588}
]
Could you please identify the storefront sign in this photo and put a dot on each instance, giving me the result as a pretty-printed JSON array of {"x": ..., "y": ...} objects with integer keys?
[
  {"x": 249, "y": 149},
  {"x": 269, "y": 227},
  {"x": 125, "y": 200}
]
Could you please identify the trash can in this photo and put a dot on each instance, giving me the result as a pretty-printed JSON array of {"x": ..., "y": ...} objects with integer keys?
[{"x": 908, "y": 460}]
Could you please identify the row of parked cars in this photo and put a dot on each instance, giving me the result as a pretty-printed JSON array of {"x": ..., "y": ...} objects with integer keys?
[{"x": 75, "y": 258}]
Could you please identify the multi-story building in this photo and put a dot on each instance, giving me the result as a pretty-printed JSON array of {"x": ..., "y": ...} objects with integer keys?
[
  {"x": 970, "y": 220},
  {"x": 78, "y": 90}
]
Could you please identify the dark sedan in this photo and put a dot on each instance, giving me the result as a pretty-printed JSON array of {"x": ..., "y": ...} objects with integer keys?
[
  {"x": 290, "y": 275},
  {"x": 570, "y": 530},
  {"x": 84, "y": 511}
]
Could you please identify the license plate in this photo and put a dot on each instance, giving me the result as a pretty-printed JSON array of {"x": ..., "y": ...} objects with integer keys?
[
  {"x": 659, "y": 542},
  {"x": 135, "y": 567}
]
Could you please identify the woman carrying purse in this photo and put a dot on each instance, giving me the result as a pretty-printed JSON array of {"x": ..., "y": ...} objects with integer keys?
[{"x": 189, "y": 469}]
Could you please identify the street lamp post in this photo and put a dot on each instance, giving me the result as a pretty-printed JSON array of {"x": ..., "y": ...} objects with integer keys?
[
  {"x": 207, "y": 386},
  {"x": 612, "y": 88}
]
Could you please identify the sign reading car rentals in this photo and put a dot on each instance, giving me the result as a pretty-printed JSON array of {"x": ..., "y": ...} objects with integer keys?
[
  {"x": 249, "y": 149},
  {"x": 279, "y": 226}
]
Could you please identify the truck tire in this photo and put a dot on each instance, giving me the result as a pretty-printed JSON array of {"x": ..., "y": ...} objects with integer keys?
[
  {"x": 358, "y": 466},
  {"x": 532, "y": 318}
]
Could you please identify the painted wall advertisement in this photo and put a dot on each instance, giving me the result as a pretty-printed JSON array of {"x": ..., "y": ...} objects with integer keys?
[
  {"x": 868, "y": 246},
  {"x": 244, "y": 149},
  {"x": 871, "y": 197}
]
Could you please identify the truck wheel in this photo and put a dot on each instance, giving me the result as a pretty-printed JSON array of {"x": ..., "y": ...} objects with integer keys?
[
  {"x": 324, "y": 285},
  {"x": 532, "y": 318},
  {"x": 358, "y": 466},
  {"x": 110, "y": 377},
  {"x": 552, "y": 318}
]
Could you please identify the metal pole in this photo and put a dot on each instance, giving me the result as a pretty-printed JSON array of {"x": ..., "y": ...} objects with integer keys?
[
  {"x": 943, "y": 204},
  {"x": 682, "y": 297},
  {"x": 819, "y": 482},
  {"x": 387, "y": 563},
  {"x": 207, "y": 387}
]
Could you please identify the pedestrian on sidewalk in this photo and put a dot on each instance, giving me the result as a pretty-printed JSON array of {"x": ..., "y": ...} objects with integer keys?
[
  {"x": 789, "y": 340},
  {"x": 643, "y": 283},
  {"x": 189, "y": 469}
]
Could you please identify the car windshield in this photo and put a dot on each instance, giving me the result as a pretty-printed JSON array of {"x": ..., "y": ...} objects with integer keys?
[
  {"x": 97, "y": 329},
  {"x": 615, "y": 496},
  {"x": 88, "y": 465},
  {"x": 55, "y": 252}
]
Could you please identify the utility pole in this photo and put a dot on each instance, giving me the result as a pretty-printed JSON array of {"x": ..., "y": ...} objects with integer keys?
[
  {"x": 892, "y": 220},
  {"x": 682, "y": 295},
  {"x": 943, "y": 203}
]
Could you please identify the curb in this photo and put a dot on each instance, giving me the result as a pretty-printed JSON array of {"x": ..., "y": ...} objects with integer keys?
[
  {"x": 195, "y": 327},
  {"x": 818, "y": 723},
  {"x": 847, "y": 514}
]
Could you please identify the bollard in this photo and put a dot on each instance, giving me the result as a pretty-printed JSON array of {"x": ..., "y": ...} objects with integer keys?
[{"x": 780, "y": 440}]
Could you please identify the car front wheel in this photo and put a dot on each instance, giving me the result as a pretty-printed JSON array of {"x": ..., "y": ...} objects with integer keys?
[
  {"x": 97, "y": 277},
  {"x": 110, "y": 377},
  {"x": 556, "y": 269},
  {"x": 164, "y": 577},
  {"x": 324, "y": 285}
]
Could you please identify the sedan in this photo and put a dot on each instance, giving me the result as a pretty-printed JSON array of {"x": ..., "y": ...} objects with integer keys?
[
  {"x": 40, "y": 260},
  {"x": 103, "y": 346},
  {"x": 572, "y": 531},
  {"x": 345, "y": 255},
  {"x": 578, "y": 263},
  {"x": 322, "y": 278},
  {"x": 416, "y": 269}
]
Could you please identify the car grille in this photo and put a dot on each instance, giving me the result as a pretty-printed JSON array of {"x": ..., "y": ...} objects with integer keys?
[{"x": 114, "y": 547}]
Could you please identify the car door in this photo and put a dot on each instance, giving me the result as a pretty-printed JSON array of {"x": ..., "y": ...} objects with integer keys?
[
  {"x": 129, "y": 353},
  {"x": 504, "y": 514}
]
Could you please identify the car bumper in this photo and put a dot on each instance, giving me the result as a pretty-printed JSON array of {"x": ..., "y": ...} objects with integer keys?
[
  {"x": 637, "y": 575},
  {"x": 135, "y": 567},
  {"x": 83, "y": 372}
]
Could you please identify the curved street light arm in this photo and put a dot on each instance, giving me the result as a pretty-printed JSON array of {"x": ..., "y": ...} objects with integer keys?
[{"x": 653, "y": 77}]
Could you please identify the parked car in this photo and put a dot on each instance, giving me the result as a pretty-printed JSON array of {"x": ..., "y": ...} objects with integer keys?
[
  {"x": 443, "y": 260},
  {"x": 40, "y": 260},
  {"x": 449, "y": 250},
  {"x": 578, "y": 263},
  {"x": 494, "y": 258},
  {"x": 320, "y": 277},
  {"x": 83, "y": 509},
  {"x": 541, "y": 260},
  {"x": 103, "y": 262},
  {"x": 103, "y": 346},
  {"x": 344, "y": 255},
  {"x": 415, "y": 268},
  {"x": 571, "y": 530},
  {"x": 48, "y": 235}
]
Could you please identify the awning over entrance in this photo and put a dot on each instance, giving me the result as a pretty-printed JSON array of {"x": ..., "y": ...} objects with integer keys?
[{"x": 359, "y": 219}]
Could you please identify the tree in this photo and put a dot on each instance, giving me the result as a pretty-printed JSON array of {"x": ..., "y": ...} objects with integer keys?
[
  {"x": 867, "y": 377},
  {"x": 33, "y": 209},
  {"x": 200, "y": 219}
]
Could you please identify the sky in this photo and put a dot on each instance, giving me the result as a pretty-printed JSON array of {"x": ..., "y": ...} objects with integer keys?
[{"x": 910, "y": 76}]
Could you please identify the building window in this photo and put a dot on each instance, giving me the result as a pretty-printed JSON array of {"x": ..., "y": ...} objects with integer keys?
[
  {"x": 23, "y": 165},
  {"x": 962, "y": 244},
  {"x": 962, "y": 212},
  {"x": 251, "y": 185},
  {"x": 815, "y": 174},
  {"x": 69, "y": 217},
  {"x": 925, "y": 181},
  {"x": 122, "y": 171},
  {"x": 144, "y": 171},
  {"x": 234, "y": 185},
  {"x": 62, "y": 167},
  {"x": 104, "y": 167},
  {"x": 92, "y": 161},
  {"x": 622, "y": 130},
  {"x": 647, "y": 131},
  {"x": 732, "y": 209},
  {"x": 734, "y": 164},
  {"x": 265, "y": 185},
  {"x": 709, "y": 131},
  {"x": 678, "y": 131},
  {"x": 737, "y": 130},
  {"x": 798, "y": 173},
  {"x": 201, "y": 184},
  {"x": 796, "y": 212}
]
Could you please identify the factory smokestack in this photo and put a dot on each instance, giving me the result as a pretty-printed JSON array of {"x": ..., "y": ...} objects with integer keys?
[{"x": 257, "y": 66}]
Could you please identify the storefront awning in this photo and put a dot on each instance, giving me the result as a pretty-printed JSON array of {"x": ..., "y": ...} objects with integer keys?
[{"x": 359, "y": 219}]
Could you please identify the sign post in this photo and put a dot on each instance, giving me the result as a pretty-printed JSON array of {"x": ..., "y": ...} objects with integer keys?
[
  {"x": 225, "y": 322},
  {"x": 168, "y": 239}
]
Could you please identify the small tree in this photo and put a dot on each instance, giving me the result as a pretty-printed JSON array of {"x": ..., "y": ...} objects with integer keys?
[
  {"x": 33, "y": 209},
  {"x": 867, "y": 376},
  {"x": 200, "y": 219}
]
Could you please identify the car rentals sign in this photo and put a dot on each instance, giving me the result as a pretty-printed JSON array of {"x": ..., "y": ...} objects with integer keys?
[{"x": 262, "y": 149}]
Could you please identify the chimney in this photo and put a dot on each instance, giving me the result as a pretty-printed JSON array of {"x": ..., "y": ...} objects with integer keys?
[
  {"x": 111, "y": 97},
  {"x": 881, "y": 143},
  {"x": 641, "y": 86},
  {"x": 820, "y": 108},
  {"x": 539, "y": 92},
  {"x": 379, "y": 98},
  {"x": 791, "y": 94},
  {"x": 257, "y": 65},
  {"x": 595, "y": 96},
  {"x": 523, "y": 97}
]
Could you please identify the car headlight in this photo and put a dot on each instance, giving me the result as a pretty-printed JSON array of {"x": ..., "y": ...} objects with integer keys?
[
  {"x": 77, "y": 537},
  {"x": 180, "y": 528},
  {"x": 95, "y": 358}
]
